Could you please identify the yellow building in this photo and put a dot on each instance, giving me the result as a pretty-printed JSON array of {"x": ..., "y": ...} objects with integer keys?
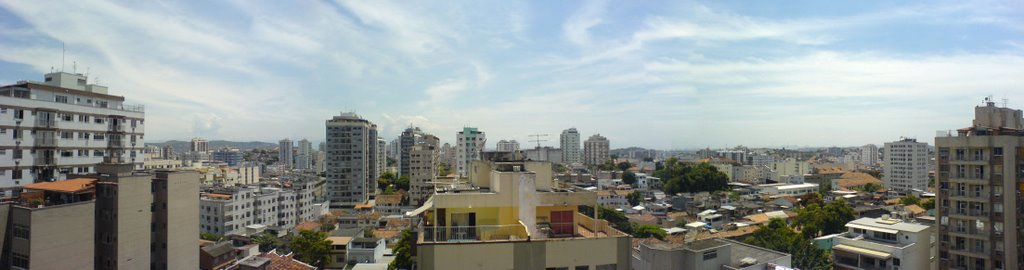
[{"x": 509, "y": 216}]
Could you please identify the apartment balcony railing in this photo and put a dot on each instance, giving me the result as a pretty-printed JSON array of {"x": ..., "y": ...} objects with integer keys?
[{"x": 479, "y": 233}]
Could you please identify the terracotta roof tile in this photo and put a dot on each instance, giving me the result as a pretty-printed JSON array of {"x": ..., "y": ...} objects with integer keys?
[{"x": 65, "y": 186}]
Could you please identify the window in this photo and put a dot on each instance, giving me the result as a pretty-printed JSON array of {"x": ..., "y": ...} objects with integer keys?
[
  {"x": 98, "y": 120},
  {"x": 582, "y": 267},
  {"x": 19, "y": 114},
  {"x": 61, "y": 99},
  {"x": 21, "y": 231},
  {"x": 19, "y": 260},
  {"x": 895, "y": 262},
  {"x": 17, "y": 153},
  {"x": 83, "y": 118},
  {"x": 998, "y": 151},
  {"x": 97, "y": 153},
  {"x": 710, "y": 255},
  {"x": 67, "y": 153},
  {"x": 67, "y": 135},
  {"x": 16, "y": 174}
]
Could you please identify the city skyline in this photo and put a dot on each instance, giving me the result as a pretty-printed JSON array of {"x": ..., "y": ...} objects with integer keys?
[{"x": 696, "y": 74}]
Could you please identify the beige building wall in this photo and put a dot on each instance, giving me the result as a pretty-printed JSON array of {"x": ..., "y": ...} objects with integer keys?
[
  {"x": 569, "y": 252},
  {"x": 183, "y": 218},
  {"x": 133, "y": 222},
  {"x": 61, "y": 237}
]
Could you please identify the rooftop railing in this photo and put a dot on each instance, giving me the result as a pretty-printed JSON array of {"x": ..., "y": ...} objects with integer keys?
[{"x": 479, "y": 233}]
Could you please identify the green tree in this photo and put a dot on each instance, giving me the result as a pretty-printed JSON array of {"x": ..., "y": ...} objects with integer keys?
[
  {"x": 211, "y": 236},
  {"x": 811, "y": 198},
  {"x": 311, "y": 247},
  {"x": 816, "y": 219},
  {"x": 871, "y": 187},
  {"x": 402, "y": 183},
  {"x": 779, "y": 237},
  {"x": 403, "y": 252},
  {"x": 635, "y": 198},
  {"x": 928, "y": 204},
  {"x": 910, "y": 200},
  {"x": 683, "y": 177},
  {"x": 442, "y": 169},
  {"x": 266, "y": 241},
  {"x": 624, "y": 166},
  {"x": 386, "y": 179},
  {"x": 629, "y": 178},
  {"x": 645, "y": 231}
]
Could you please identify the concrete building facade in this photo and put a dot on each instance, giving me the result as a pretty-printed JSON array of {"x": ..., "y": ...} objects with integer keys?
[
  {"x": 884, "y": 243},
  {"x": 468, "y": 145},
  {"x": 569, "y": 142},
  {"x": 906, "y": 166},
  {"x": 351, "y": 159},
  {"x": 508, "y": 146},
  {"x": 978, "y": 200},
  {"x": 64, "y": 126},
  {"x": 286, "y": 153},
  {"x": 596, "y": 150}
]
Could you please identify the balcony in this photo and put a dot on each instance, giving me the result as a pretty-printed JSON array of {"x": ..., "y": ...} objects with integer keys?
[{"x": 479, "y": 233}]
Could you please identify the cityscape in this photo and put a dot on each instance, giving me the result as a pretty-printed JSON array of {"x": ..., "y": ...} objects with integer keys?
[{"x": 587, "y": 135}]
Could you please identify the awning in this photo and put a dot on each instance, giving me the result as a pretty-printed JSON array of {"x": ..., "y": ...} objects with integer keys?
[
  {"x": 426, "y": 205},
  {"x": 876, "y": 229},
  {"x": 863, "y": 251}
]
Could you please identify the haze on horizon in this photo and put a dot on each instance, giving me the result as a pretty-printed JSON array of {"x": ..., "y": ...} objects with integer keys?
[{"x": 665, "y": 75}]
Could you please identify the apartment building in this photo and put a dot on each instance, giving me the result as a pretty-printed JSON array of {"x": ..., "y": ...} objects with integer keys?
[
  {"x": 469, "y": 144},
  {"x": 569, "y": 142},
  {"x": 978, "y": 179},
  {"x": 351, "y": 160},
  {"x": 229, "y": 210},
  {"x": 304, "y": 155},
  {"x": 231, "y": 156},
  {"x": 510, "y": 217},
  {"x": 199, "y": 145},
  {"x": 906, "y": 166},
  {"x": 286, "y": 153},
  {"x": 596, "y": 150},
  {"x": 64, "y": 126},
  {"x": 869, "y": 155},
  {"x": 508, "y": 146},
  {"x": 422, "y": 172},
  {"x": 884, "y": 243}
]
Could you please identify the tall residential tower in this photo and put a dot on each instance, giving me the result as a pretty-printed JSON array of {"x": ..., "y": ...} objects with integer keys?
[
  {"x": 351, "y": 159},
  {"x": 906, "y": 166},
  {"x": 570, "y": 144},
  {"x": 469, "y": 143},
  {"x": 596, "y": 150}
]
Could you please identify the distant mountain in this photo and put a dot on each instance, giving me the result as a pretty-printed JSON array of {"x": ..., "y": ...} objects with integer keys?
[{"x": 182, "y": 146}]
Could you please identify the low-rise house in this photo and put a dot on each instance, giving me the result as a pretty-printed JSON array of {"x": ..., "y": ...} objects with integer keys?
[
  {"x": 614, "y": 199},
  {"x": 365, "y": 250},
  {"x": 217, "y": 256}
]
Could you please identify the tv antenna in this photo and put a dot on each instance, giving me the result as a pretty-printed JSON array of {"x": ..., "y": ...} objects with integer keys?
[{"x": 537, "y": 139}]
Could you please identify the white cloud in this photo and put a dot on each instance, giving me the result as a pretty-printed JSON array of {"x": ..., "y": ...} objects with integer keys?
[{"x": 577, "y": 27}]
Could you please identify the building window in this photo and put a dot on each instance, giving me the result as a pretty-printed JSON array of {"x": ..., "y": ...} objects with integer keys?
[
  {"x": 998, "y": 151},
  {"x": 710, "y": 255},
  {"x": 19, "y": 260},
  {"x": 16, "y": 174},
  {"x": 21, "y": 231},
  {"x": 61, "y": 99}
]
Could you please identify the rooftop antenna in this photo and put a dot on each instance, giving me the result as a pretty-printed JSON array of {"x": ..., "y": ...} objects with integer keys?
[
  {"x": 537, "y": 139},
  {"x": 63, "y": 51},
  {"x": 1005, "y": 101},
  {"x": 87, "y": 71},
  {"x": 74, "y": 67}
]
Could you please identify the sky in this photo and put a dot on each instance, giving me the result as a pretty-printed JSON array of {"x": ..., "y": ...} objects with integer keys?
[{"x": 656, "y": 74}]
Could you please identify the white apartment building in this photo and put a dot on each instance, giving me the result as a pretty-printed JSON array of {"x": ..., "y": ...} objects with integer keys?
[
  {"x": 351, "y": 159},
  {"x": 647, "y": 182},
  {"x": 762, "y": 160},
  {"x": 286, "y": 153},
  {"x": 790, "y": 166},
  {"x": 869, "y": 154},
  {"x": 569, "y": 142},
  {"x": 199, "y": 145},
  {"x": 596, "y": 150},
  {"x": 905, "y": 166},
  {"x": 64, "y": 126},
  {"x": 508, "y": 146},
  {"x": 229, "y": 210},
  {"x": 884, "y": 243},
  {"x": 788, "y": 189},
  {"x": 736, "y": 155},
  {"x": 614, "y": 199},
  {"x": 304, "y": 155},
  {"x": 469, "y": 143}
]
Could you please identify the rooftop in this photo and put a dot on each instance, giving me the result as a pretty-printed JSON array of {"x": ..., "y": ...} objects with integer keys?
[
  {"x": 887, "y": 224},
  {"x": 66, "y": 186}
]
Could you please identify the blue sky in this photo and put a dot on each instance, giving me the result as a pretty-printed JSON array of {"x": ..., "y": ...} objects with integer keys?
[{"x": 663, "y": 74}]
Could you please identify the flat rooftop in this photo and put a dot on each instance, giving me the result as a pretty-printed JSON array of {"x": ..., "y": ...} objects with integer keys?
[{"x": 888, "y": 224}]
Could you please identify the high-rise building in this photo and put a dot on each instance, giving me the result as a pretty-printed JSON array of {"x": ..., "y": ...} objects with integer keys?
[
  {"x": 595, "y": 150},
  {"x": 167, "y": 152},
  {"x": 406, "y": 141},
  {"x": 469, "y": 143},
  {"x": 351, "y": 159},
  {"x": 569, "y": 142},
  {"x": 286, "y": 153},
  {"x": 508, "y": 146},
  {"x": 422, "y": 172},
  {"x": 382, "y": 158},
  {"x": 978, "y": 200},
  {"x": 906, "y": 166},
  {"x": 199, "y": 145},
  {"x": 304, "y": 155},
  {"x": 869, "y": 155},
  {"x": 64, "y": 126}
]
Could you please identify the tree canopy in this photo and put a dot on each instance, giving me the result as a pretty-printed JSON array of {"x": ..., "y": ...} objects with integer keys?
[
  {"x": 211, "y": 236},
  {"x": 683, "y": 177},
  {"x": 311, "y": 247},
  {"x": 266, "y": 241},
  {"x": 403, "y": 252},
  {"x": 624, "y": 166},
  {"x": 779, "y": 237},
  {"x": 629, "y": 178},
  {"x": 645, "y": 231},
  {"x": 817, "y": 219},
  {"x": 635, "y": 198}
]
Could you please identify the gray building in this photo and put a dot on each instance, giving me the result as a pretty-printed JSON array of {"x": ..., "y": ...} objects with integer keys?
[
  {"x": 596, "y": 150},
  {"x": 304, "y": 155},
  {"x": 351, "y": 159},
  {"x": 231, "y": 156},
  {"x": 569, "y": 142},
  {"x": 286, "y": 153},
  {"x": 422, "y": 172},
  {"x": 229, "y": 210},
  {"x": 708, "y": 254}
]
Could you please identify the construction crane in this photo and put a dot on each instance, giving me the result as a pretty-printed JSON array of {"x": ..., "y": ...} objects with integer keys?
[{"x": 537, "y": 139}]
